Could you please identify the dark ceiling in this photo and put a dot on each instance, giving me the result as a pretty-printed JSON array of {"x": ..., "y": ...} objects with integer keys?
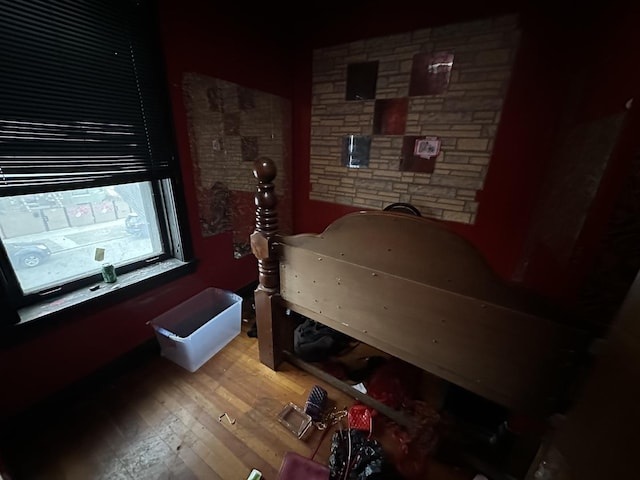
[
  {"x": 334, "y": 21},
  {"x": 323, "y": 21}
]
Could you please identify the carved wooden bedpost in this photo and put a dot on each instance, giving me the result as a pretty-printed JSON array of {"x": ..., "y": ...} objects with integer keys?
[
  {"x": 274, "y": 329},
  {"x": 266, "y": 225}
]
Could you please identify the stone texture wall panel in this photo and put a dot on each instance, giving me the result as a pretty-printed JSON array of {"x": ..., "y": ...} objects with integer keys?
[{"x": 465, "y": 117}]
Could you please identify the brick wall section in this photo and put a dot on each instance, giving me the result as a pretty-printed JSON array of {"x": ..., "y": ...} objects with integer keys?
[
  {"x": 465, "y": 118},
  {"x": 267, "y": 122}
]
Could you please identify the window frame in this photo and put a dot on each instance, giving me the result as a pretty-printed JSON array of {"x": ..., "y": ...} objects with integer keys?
[{"x": 170, "y": 204}]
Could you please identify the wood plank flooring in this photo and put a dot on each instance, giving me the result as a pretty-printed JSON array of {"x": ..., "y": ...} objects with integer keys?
[{"x": 158, "y": 421}]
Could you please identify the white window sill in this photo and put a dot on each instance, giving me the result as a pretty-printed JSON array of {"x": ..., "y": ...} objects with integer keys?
[{"x": 76, "y": 298}]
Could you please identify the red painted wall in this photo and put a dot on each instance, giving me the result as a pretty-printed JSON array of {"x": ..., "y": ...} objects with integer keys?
[
  {"x": 196, "y": 38},
  {"x": 529, "y": 117},
  {"x": 609, "y": 76}
]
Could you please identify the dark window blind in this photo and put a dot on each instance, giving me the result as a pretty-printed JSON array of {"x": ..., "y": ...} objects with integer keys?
[{"x": 83, "y": 98}]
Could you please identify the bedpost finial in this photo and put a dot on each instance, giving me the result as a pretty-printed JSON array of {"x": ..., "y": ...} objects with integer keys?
[{"x": 264, "y": 169}]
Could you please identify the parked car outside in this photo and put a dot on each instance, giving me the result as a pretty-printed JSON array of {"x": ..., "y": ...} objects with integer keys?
[
  {"x": 27, "y": 254},
  {"x": 135, "y": 226}
]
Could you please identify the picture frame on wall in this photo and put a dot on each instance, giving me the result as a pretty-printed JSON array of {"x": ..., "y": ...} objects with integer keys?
[
  {"x": 430, "y": 73},
  {"x": 419, "y": 154},
  {"x": 427, "y": 147},
  {"x": 390, "y": 116},
  {"x": 355, "y": 151},
  {"x": 362, "y": 80}
]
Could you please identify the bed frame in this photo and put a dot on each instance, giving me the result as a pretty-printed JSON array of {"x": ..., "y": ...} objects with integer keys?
[{"x": 410, "y": 287}]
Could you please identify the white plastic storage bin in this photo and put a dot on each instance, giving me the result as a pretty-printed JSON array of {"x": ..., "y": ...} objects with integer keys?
[{"x": 195, "y": 330}]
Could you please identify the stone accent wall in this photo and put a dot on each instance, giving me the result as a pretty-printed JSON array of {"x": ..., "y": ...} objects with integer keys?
[
  {"x": 220, "y": 123},
  {"x": 464, "y": 118},
  {"x": 229, "y": 127}
]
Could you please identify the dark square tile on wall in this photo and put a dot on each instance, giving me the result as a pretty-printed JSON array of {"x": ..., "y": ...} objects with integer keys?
[
  {"x": 249, "y": 147},
  {"x": 246, "y": 98},
  {"x": 362, "y": 79},
  {"x": 430, "y": 73},
  {"x": 355, "y": 151},
  {"x": 231, "y": 124},
  {"x": 216, "y": 102},
  {"x": 410, "y": 162},
  {"x": 390, "y": 116}
]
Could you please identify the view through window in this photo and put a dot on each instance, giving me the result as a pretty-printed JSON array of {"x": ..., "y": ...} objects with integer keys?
[{"x": 51, "y": 238}]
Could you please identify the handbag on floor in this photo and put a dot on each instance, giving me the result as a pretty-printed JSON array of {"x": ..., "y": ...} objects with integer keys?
[{"x": 355, "y": 456}]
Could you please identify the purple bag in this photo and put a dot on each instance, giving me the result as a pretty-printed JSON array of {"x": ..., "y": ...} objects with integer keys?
[{"x": 316, "y": 402}]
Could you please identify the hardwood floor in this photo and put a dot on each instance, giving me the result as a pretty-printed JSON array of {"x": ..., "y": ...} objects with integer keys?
[{"x": 158, "y": 421}]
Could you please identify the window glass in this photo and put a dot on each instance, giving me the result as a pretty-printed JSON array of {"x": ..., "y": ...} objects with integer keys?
[{"x": 57, "y": 237}]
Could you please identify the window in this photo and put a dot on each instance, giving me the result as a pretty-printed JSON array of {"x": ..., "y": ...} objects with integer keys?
[{"x": 88, "y": 169}]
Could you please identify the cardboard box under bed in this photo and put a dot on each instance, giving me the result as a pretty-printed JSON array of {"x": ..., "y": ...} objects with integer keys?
[{"x": 192, "y": 332}]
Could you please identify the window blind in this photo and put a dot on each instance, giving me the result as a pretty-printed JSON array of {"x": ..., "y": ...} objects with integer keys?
[{"x": 82, "y": 95}]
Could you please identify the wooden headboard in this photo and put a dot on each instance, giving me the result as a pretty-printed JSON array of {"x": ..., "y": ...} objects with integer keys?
[{"x": 414, "y": 289}]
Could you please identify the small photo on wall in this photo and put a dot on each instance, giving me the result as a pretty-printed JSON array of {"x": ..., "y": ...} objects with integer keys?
[
  {"x": 390, "y": 116},
  {"x": 419, "y": 154},
  {"x": 362, "y": 79},
  {"x": 430, "y": 73},
  {"x": 355, "y": 151}
]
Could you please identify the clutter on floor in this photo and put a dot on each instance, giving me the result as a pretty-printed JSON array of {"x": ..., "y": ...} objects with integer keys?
[{"x": 366, "y": 444}]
